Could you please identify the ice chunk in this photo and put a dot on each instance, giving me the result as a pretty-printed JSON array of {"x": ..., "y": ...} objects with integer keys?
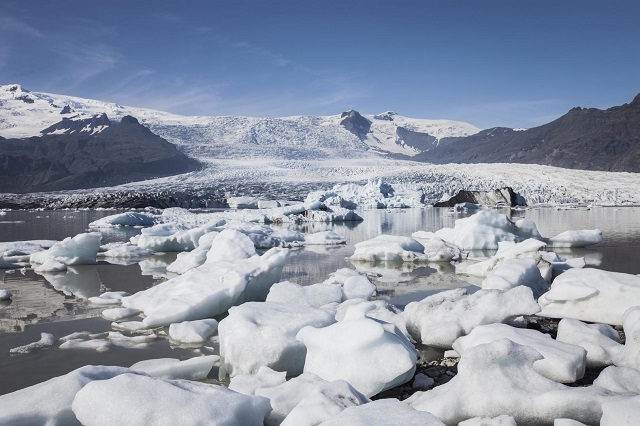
[
  {"x": 285, "y": 397},
  {"x": 98, "y": 345},
  {"x": 315, "y": 295},
  {"x": 485, "y": 229},
  {"x": 376, "y": 309},
  {"x": 126, "y": 251},
  {"x": 125, "y": 219},
  {"x": 50, "y": 265},
  {"x": 264, "y": 378},
  {"x": 209, "y": 290},
  {"x": 629, "y": 356},
  {"x": 383, "y": 412},
  {"x": 528, "y": 248},
  {"x": 50, "y": 402},
  {"x": 4, "y": 264},
  {"x": 575, "y": 239},
  {"x": 230, "y": 245},
  {"x": 601, "y": 341},
  {"x": 171, "y": 368},
  {"x": 141, "y": 400},
  {"x": 116, "y": 314},
  {"x": 46, "y": 340},
  {"x": 498, "y": 378},
  {"x": 264, "y": 333},
  {"x": 625, "y": 412},
  {"x": 79, "y": 250},
  {"x": 109, "y": 298},
  {"x": 562, "y": 362},
  {"x": 359, "y": 351},
  {"x": 131, "y": 326},
  {"x": 192, "y": 332},
  {"x": 324, "y": 403},
  {"x": 591, "y": 295},
  {"x": 132, "y": 342},
  {"x": 358, "y": 287},
  {"x": 192, "y": 259},
  {"x": 389, "y": 248},
  {"x": 436, "y": 249},
  {"x": 514, "y": 272},
  {"x": 440, "y": 319},
  {"x": 619, "y": 379},
  {"x": 5, "y": 294}
]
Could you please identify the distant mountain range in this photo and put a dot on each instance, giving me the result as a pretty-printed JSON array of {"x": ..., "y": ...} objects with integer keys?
[
  {"x": 63, "y": 142},
  {"x": 88, "y": 153},
  {"x": 583, "y": 138}
]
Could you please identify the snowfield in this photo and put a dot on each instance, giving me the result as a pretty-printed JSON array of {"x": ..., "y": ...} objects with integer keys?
[{"x": 285, "y": 158}]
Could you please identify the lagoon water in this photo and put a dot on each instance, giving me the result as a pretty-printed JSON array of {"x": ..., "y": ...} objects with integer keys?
[{"x": 55, "y": 303}]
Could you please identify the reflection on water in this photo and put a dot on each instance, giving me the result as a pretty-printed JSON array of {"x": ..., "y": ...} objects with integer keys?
[
  {"x": 81, "y": 281},
  {"x": 56, "y": 303}
]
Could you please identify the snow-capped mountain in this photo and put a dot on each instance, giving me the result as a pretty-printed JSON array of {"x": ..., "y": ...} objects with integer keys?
[{"x": 24, "y": 113}]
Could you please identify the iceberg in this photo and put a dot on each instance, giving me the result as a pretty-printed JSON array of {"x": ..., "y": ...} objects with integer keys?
[
  {"x": 371, "y": 355},
  {"x": 257, "y": 334}
]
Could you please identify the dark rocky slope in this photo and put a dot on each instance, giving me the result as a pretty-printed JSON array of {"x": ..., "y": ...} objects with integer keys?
[
  {"x": 118, "y": 153},
  {"x": 584, "y": 138}
]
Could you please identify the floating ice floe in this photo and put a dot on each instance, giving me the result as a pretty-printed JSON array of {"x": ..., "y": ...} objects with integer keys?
[
  {"x": 436, "y": 249},
  {"x": 196, "y": 368},
  {"x": 138, "y": 399},
  {"x": 230, "y": 245},
  {"x": 389, "y": 248},
  {"x": 116, "y": 314},
  {"x": 527, "y": 249},
  {"x": 98, "y": 345},
  {"x": 511, "y": 273},
  {"x": 169, "y": 237},
  {"x": 601, "y": 341},
  {"x": 285, "y": 397},
  {"x": 485, "y": 229},
  {"x": 209, "y": 290},
  {"x": 194, "y": 258},
  {"x": 50, "y": 402},
  {"x": 46, "y": 340},
  {"x": 79, "y": 250},
  {"x": 591, "y": 295},
  {"x": 132, "y": 342},
  {"x": 259, "y": 334},
  {"x": 125, "y": 251},
  {"x": 358, "y": 351},
  {"x": 193, "y": 332},
  {"x": 109, "y": 298},
  {"x": 4, "y": 264},
  {"x": 354, "y": 285},
  {"x": 383, "y": 412},
  {"x": 265, "y": 377},
  {"x": 440, "y": 319},
  {"x": 125, "y": 219},
  {"x": 5, "y": 294},
  {"x": 50, "y": 265},
  {"x": 324, "y": 238},
  {"x": 499, "y": 378},
  {"x": 562, "y": 362}
]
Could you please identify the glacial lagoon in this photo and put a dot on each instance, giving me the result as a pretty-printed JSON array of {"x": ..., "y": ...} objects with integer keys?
[{"x": 56, "y": 303}]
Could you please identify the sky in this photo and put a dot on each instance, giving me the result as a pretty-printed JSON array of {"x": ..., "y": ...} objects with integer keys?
[{"x": 514, "y": 63}]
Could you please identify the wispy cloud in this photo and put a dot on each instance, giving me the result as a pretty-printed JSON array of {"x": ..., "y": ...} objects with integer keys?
[
  {"x": 273, "y": 58},
  {"x": 15, "y": 26}
]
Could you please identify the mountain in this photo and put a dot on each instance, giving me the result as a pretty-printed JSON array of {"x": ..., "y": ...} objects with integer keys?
[
  {"x": 583, "y": 138},
  {"x": 24, "y": 113},
  {"x": 87, "y": 153}
]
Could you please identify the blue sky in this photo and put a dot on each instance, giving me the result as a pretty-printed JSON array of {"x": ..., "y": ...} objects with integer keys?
[{"x": 516, "y": 63}]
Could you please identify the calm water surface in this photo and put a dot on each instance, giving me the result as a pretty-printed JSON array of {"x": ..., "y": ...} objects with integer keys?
[{"x": 55, "y": 303}]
